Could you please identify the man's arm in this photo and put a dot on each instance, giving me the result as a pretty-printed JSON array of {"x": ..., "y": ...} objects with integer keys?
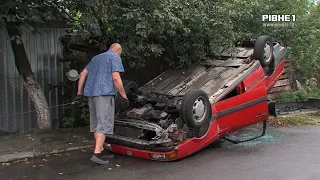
[
  {"x": 82, "y": 79},
  {"x": 118, "y": 84}
]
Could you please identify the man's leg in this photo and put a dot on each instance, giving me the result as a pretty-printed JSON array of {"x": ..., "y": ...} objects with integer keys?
[
  {"x": 105, "y": 125},
  {"x": 93, "y": 128},
  {"x": 100, "y": 138},
  {"x": 93, "y": 116}
]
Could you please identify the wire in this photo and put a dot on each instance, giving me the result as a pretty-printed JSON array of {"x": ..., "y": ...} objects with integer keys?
[{"x": 70, "y": 103}]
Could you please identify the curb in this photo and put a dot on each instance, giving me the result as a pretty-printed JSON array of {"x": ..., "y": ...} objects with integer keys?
[{"x": 32, "y": 154}]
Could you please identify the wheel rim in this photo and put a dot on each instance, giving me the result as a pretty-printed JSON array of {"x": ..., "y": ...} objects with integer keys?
[
  {"x": 199, "y": 110},
  {"x": 267, "y": 53}
]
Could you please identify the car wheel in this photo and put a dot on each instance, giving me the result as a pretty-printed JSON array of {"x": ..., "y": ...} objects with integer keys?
[
  {"x": 263, "y": 51},
  {"x": 132, "y": 89},
  {"x": 195, "y": 108}
]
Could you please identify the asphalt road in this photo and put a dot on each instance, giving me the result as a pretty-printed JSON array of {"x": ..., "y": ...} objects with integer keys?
[{"x": 283, "y": 154}]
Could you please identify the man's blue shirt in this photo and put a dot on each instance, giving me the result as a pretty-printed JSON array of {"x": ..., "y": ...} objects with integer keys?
[{"x": 99, "y": 80}]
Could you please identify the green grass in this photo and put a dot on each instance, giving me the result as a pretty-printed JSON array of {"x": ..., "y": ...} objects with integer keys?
[
  {"x": 297, "y": 120},
  {"x": 314, "y": 114},
  {"x": 291, "y": 96}
]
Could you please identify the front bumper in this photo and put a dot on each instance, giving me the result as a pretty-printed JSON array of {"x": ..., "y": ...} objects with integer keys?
[
  {"x": 156, "y": 144},
  {"x": 144, "y": 154},
  {"x": 168, "y": 151}
]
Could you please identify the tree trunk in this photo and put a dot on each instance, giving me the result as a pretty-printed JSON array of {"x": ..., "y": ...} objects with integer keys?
[{"x": 32, "y": 86}]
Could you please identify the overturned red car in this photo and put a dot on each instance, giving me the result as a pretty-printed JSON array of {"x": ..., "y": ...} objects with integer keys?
[{"x": 184, "y": 110}]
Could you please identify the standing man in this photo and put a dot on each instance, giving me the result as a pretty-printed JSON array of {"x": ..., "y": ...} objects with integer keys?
[{"x": 102, "y": 80}]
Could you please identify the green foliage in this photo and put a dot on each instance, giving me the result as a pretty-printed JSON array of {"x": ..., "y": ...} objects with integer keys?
[
  {"x": 302, "y": 39},
  {"x": 25, "y": 13},
  {"x": 67, "y": 122},
  {"x": 247, "y": 17},
  {"x": 178, "y": 32},
  {"x": 292, "y": 96},
  {"x": 305, "y": 50},
  {"x": 85, "y": 115}
]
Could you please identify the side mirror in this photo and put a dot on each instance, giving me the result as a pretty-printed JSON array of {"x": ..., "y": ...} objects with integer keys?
[{"x": 73, "y": 75}]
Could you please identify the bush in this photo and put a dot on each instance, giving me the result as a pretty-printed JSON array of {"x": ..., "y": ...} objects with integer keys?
[
  {"x": 177, "y": 32},
  {"x": 180, "y": 32},
  {"x": 300, "y": 95}
]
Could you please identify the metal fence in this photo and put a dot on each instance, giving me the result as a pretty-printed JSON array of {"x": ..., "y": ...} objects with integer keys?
[{"x": 43, "y": 49}]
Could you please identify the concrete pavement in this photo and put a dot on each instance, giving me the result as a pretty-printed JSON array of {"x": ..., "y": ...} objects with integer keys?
[
  {"x": 33, "y": 144},
  {"x": 287, "y": 153}
]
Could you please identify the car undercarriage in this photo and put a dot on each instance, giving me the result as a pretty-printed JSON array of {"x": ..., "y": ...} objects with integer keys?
[{"x": 150, "y": 121}]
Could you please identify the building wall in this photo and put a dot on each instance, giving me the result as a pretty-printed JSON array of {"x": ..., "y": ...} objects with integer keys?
[{"x": 43, "y": 49}]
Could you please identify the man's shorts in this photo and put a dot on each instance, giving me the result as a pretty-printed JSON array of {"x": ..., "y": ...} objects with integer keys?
[{"x": 102, "y": 110}]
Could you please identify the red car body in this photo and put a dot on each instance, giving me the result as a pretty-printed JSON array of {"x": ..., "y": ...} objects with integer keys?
[{"x": 249, "y": 107}]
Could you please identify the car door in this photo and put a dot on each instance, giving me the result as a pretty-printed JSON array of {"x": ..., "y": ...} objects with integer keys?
[{"x": 242, "y": 110}]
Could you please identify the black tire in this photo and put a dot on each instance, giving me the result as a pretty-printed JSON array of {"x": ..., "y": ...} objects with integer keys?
[
  {"x": 131, "y": 89},
  {"x": 187, "y": 111},
  {"x": 259, "y": 51},
  {"x": 272, "y": 109}
]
